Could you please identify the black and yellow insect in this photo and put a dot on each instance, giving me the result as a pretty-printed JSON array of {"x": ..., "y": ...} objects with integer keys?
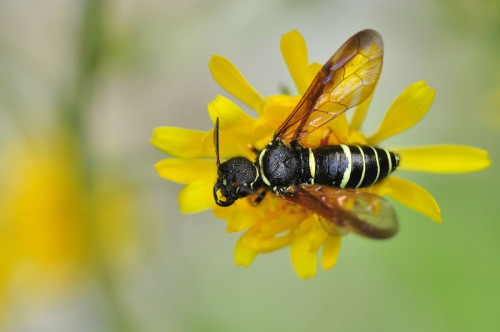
[{"x": 325, "y": 179}]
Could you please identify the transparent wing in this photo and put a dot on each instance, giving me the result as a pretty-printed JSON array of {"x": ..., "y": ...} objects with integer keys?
[
  {"x": 345, "y": 81},
  {"x": 353, "y": 210}
]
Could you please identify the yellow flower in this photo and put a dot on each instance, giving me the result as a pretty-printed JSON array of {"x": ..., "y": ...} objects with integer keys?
[
  {"x": 275, "y": 223},
  {"x": 53, "y": 234},
  {"x": 42, "y": 216}
]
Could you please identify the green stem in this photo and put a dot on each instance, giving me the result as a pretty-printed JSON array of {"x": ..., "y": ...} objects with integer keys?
[{"x": 91, "y": 52}]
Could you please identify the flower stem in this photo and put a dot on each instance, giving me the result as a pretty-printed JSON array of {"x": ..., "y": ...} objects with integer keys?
[{"x": 91, "y": 50}]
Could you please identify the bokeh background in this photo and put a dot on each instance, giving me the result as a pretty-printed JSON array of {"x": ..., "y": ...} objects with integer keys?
[{"x": 91, "y": 238}]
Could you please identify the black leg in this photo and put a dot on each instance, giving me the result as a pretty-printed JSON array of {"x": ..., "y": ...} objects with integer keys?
[
  {"x": 259, "y": 197},
  {"x": 254, "y": 149}
]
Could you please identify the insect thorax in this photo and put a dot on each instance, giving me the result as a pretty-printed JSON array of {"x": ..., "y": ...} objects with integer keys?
[{"x": 281, "y": 166}]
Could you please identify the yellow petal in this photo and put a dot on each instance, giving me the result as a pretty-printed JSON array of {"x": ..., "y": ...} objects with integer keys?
[
  {"x": 276, "y": 110},
  {"x": 294, "y": 51},
  {"x": 243, "y": 255},
  {"x": 312, "y": 71},
  {"x": 411, "y": 105},
  {"x": 239, "y": 223},
  {"x": 231, "y": 80},
  {"x": 238, "y": 217},
  {"x": 179, "y": 142},
  {"x": 414, "y": 197},
  {"x": 304, "y": 258},
  {"x": 234, "y": 136},
  {"x": 360, "y": 113},
  {"x": 229, "y": 113},
  {"x": 443, "y": 159},
  {"x": 274, "y": 243},
  {"x": 197, "y": 196},
  {"x": 331, "y": 248},
  {"x": 187, "y": 170},
  {"x": 340, "y": 128},
  {"x": 335, "y": 132}
]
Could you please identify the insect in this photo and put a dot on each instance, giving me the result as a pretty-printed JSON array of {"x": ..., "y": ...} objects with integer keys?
[{"x": 327, "y": 179}]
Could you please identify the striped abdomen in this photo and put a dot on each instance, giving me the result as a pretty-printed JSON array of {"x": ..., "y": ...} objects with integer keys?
[{"x": 352, "y": 166}]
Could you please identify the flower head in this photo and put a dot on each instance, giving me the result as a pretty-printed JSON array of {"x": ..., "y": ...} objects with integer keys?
[{"x": 275, "y": 223}]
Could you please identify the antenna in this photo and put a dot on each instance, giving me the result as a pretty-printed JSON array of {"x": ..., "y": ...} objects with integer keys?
[{"x": 216, "y": 141}]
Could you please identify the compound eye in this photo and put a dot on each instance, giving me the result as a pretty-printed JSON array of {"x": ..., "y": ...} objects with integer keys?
[{"x": 218, "y": 199}]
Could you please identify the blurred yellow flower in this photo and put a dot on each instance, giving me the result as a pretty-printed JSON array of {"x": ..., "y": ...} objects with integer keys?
[
  {"x": 276, "y": 223},
  {"x": 42, "y": 237},
  {"x": 54, "y": 233}
]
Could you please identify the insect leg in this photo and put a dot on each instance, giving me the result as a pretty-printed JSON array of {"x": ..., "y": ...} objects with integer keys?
[
  {"x": 254, "y": 149},
  {"x": 259, "y": 197}
]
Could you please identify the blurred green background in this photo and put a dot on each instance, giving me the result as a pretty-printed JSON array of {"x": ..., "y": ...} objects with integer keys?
[{"x": 91, "y": 239}]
